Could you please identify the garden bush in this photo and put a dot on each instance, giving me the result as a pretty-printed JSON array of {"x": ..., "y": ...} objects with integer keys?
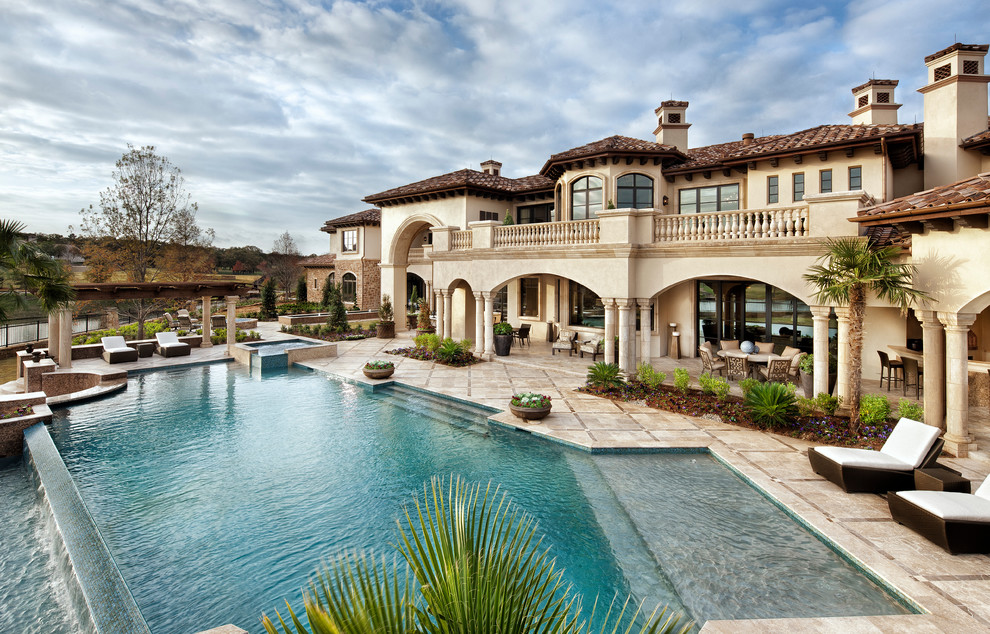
[
  {"x": 910, "y": 409},
  {"x": 807, "y": 407},
  {"x": 874, "y": 409},
  {"x": 430, "y": 341},
  {"x": 827, "y": 403},
  {"x": 772, "y": 405},
  {"x": 682, "y": 380},
  {"x": 450, "y": 350},
  {"x": 502, "y": 328},
  {"x": 268, "y": 300},
  {"x": 605, "y": 376},
  {"x": 720, "y": 387},
  {"x": 706, "y": 381},
  {"x": 648, "y": 376},
  {"x": 747, "y": 384}
]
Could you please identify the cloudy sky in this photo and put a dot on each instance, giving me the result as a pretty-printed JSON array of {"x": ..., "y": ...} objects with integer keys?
[{"x": 282, "y": 115}]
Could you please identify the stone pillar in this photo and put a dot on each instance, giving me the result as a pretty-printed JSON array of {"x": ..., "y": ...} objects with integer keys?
[
  {"x": 65, "y": 339},
  {"x": 489, "y": 324},
  {"x": 934, "y": 351},
  {"x": 439, "y": 300},
  {"x": 53, "y": 332},
  {"x": 957, "y": 437},
  {"x": 645, "y": 330},
  {"x": 231, "y": 323},
  {"x": 448, "y": 313},
  {"x": 842, "y": 381},
  {"x": 479, "y": 324},
  {"x": 819, "y": 317},
  {"x": 609, "y": 329},
  {"x": 430, "y": 298},
  {"x": 207, "y": 324},
  {"x": 627, "y": 349},
  {"x": 392, "y": 280},
  {"x": 111, "y": 317}
]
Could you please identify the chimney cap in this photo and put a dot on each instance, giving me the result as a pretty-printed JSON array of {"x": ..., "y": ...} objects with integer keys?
[
  {"x": 670, "y": 103},
  {"x": 978, "y": 48},
  {"x": 875, "y": 82},
  {"x": 747, "y": 138},
  {"x": 491, "y": 162}
]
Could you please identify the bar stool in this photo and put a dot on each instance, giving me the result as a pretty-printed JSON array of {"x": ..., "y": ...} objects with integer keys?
[{"x": 890, "y": 368}]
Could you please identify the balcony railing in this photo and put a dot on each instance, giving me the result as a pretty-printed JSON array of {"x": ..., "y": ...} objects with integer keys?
[
  {"x": 461, "y": 240},
  {"x": 745, "y": 224},
  {"x": 545, "y": 234}
]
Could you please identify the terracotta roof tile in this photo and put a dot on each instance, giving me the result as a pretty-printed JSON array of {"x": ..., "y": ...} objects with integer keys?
[
  {"x": 715, "y": 155},
  {"x": 319, "y": 261},
  {"x": 466, "y": 178},
  {"x": 978, "y": 139},
  {"x": 824, "y": 135},
  {"x": 612, "y": 144},
  {"x": 956, "y": 47},
  {"x": 973, "y": 189},
  {"x": 368, "y": 217},
  {"x": 875, "y": 82}
]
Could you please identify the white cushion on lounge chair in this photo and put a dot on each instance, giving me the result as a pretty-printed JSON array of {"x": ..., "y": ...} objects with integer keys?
[
  {"x": 114, "y": 344},
  {"x": 910, "y": 441},
  {"x": 166, "y": 339},
  {"x": 949, "y": 505},
  {"x": 863, "y": 458}
]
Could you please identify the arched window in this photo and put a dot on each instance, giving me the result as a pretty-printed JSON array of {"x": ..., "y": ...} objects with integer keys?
[
  {"x": 586, "y": 198},
  {"x": 348, "y": 288},
  {"x": 634, "y": 191}
]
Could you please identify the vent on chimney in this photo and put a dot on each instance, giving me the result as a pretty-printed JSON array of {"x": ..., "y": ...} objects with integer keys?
[{"x": 747, "y": 138}]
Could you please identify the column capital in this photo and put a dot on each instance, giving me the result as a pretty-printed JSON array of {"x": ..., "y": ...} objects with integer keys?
[
  {"x": 607, "y": 301},
  {"x": 445, "y": 292},
  {"x": 625, "y": 304},
  {"x": 644, "y": 303},
  {"x": 841, "y": 313},
  {"x": 957, "y": 320},
  {"x": 928, "y": 318},
  {"x": 820, "y": 312},
  {"x": 488, "y": 295},
  {"x": 233, "y": 299}
]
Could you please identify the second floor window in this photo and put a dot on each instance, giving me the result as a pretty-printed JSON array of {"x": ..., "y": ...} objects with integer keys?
[
  {"x": 349, "y": 240},
  {"x": 825, "y": 181},
  {"x": 586, "y": 198},
  {"x": 709, "y": 199},
  {"x": 488, "y": 215},
  {"x": 634, "y": 191},
  {"x": 773, "y": 189},
  {"x": 535, "y": 213},
  {"x": 855, "y": 178},
  {"x": 798, "y": 187}
]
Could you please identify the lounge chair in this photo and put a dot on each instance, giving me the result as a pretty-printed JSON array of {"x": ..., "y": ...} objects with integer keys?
[
  {"x": 592, "y": 346},
  {"x": 170, "y": 346},
  {"x": 565, "y": 341},
  {"x": 172, "y": 322},
  {"x": 116, "y": 351},
  {"x": 912, "y": 445},
  {"x": 958, "y": 522}
]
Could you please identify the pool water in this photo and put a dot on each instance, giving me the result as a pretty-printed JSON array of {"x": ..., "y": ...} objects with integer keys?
[{"x": 218, "y": 497}]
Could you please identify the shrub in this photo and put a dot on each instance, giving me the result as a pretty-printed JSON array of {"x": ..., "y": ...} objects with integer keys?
[
  {"x": 705, "y": 381},
  {"x": 874, "y": 409},
  {"x": 385, "y": 309},
  {"x": 648, "y": 376},
  {"x": 808, "y": 407},
  {"x": 301, "y": 289},
  {"x": 423, "y": 321},
  {"x": 449, "y": 350},
  {"x": 910, "y": 409},
  {"x": 502, "y": 328},
  {"x": 682, "y": 380},
  {"x": 771, "y": 405},
  {"x": 429, "y": 340},
  {"x": 828, "y": 403},
  {"x": 808, "y": 364},
  {"x": 327, "y": 294},
  {"x": 747, "y": 384},
  {"x": 605, "y": 376},
  {"x": 338, "y": 314},
  {"x": 268, "y": 308},
  {"x": 720, "y": 387}
]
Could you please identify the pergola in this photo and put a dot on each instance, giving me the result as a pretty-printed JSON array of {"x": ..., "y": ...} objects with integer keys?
[{"x": 60, "y": 324}]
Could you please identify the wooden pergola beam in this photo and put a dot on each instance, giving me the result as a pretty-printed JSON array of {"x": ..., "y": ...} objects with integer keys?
[{"x": 158, "y": 290}]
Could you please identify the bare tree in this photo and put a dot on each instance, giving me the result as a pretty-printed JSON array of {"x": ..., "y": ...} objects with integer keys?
[{"x": 283, "y": 264}]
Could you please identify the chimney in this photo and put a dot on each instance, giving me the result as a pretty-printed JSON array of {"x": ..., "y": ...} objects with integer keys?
[
  {"x": 672, "y": 127},
  {"x": 873, "y": 103},
  {"x": 955, "y": 108},
  {"x": 747, "y": 138},
  {"x": 491, "y": 167}
]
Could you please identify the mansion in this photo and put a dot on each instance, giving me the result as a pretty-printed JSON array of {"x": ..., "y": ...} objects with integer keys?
[{"x": 638, "y": 240}]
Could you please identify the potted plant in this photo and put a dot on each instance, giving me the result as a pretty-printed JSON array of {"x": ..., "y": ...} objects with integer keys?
[
  {"x": 423, "y": 326},
  {"x": 503, "y": 338},
  {"x": 386, "y": 327},
  {"x": 378, "y": 369},
  {"x": 807, "y": 371},
  {"x": 529, "y": 405}
]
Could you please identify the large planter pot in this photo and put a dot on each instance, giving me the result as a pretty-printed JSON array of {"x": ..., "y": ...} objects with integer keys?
[
  {"x": 529, "y": 413},
  {"x": 503, "y": 343},
  {"x": 808, "y": 384},
  {"x": 378, "y": 374},
  {"x": 411, "y": 321},
  {"x": 386, "y": 329}
]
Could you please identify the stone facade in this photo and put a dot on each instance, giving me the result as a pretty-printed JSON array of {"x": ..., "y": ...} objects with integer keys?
[{"x": 368, "y": 280}]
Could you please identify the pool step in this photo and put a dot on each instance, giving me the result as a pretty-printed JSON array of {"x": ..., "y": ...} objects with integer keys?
[{"x": 462, "y": 415}]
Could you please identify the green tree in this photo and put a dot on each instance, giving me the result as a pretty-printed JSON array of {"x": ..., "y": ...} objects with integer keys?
[
  {"x": 26, "y": 269},
  {"x": 269, "y": 310},
  {"x": 301, "y": 289},
  {"x": 338, "y": 314},
  {"x": 476, "y": 565},
  {"x": 846, "y": 272},
  {"x": 327, "y": 292}
]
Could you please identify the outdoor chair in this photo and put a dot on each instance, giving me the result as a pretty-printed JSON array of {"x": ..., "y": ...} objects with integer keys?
[
  {"x": 116, "y": 351},
  {"x": 565, "y": 341},
  {"x": 912, "y": 375},
  {"x": 889, "y": 370},
  {"x": 795, "y": 368},
  {"x": 593, "y": 347},
  {"x": 958, "y": 522},
  {"x": 912, "y": 445},
  {"x": 522, "y": 334},
  {"x": 173, "y": 324},
  {"x": 736, "y": 366},
  {"x": 708, "y": 363},
  {"x": 729, "y": 344},
  {"x": 170, "y": 346},
  {"x": 218, "y": 321},
  {"x": 777, "y": 371},
  {"x": 185, "y": 322}
]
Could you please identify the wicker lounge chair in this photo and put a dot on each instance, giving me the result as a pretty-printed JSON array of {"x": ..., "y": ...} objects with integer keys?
[
  {"x": 912, "y": 445},
  {"x": 116, "y": 351},
  {"x": 958, "y": 522},
  {"x": 170, "y": 346}
]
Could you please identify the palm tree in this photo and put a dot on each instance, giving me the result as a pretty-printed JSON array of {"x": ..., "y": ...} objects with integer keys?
[
  {"x": 850, "y": 268},
  {"x": 470, "y": 564},
  {"x": 25, "y": 269}
]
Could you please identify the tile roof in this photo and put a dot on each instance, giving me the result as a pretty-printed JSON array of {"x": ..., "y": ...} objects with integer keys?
[
  {"x": 824, "y": 136},
  {"x": 318, "y": 261},
  {"x": 466, "y": 178},
  {"x": 714, "y": 155},
  {"x": 368, "y": 217},
  {"x": 956, "y": 47},
  {"x": 970, "y": 190},
  {"x": 612, "y": 144},
  {"x": 978, "y": 139},
  {"x": 875, "y": 82}
]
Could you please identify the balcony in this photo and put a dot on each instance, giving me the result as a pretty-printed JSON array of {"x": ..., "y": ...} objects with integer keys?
[{"x": 741, "y": 225}]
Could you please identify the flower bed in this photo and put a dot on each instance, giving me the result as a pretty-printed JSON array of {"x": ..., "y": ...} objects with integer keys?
[
  {"x": 27, "y": 410},
  {"x": 323, "y": 332},
  {"x": 422, "y": 354}
]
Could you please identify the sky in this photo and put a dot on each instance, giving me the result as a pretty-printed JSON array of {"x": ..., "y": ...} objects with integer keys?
[{"x": 282, "y": 115}]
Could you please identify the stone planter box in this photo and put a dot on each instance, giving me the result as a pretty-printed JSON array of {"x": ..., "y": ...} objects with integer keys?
[
  {"x": 378, "y": 374},
  {"x": 12, "y": 429},
  {"x": 530, "y": 413},
  {"x": 386, "y": 329}
]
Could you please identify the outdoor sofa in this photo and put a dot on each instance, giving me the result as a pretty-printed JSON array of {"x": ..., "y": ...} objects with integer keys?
[
  {"x": 958, "y": 522},
  {"x": 170, "y": 346},
  {"x": 116, "y": 351},
  {"x": 911, "y": 445}
]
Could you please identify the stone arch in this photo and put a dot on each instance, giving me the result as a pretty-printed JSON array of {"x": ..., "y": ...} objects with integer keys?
[
  {"x": 799, "y": 290},
  {"x": 978, "y": 304},
  {"x": 398, "y": 251}
]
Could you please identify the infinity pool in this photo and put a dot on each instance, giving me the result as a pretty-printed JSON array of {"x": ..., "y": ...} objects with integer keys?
[{"x": 219, "y": 495}]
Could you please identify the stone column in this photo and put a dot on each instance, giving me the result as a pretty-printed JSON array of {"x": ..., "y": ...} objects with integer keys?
[
  {"x": 231, "y": 323},
  {"x": 430, "y": 299},
  {"x": 111, "y": 317},
  {"x": 489, "y": 324},
  {"x": 448, "y": 313},
  {"x": 645, "y": 330},
  {"x": 609, "y": 328},
  {"x": 53, "y": 332},
  {"x": 842, "y": 381},
  {"x": 819, "y": 317},
  {"x": 207, "y": 324},
  {"x": 479, "y": 324},
  {"x": 957, "y": 437},
  {"x": 440, "y": 315},
  {"x": 627, "y": 351},
  {"x": 65, "y": 339},
  {"x": 934, "y": 351}
]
